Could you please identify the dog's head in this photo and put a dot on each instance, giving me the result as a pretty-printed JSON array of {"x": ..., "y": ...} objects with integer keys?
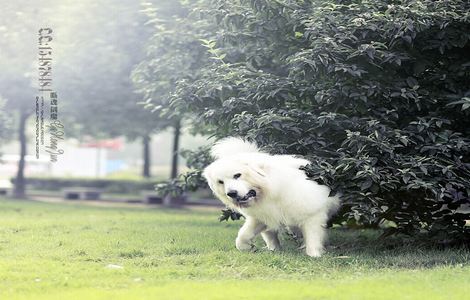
[{"x": 237, "y": 182}]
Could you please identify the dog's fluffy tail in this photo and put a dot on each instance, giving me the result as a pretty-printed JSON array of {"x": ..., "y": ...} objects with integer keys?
[{"x": 230, "y": 146}]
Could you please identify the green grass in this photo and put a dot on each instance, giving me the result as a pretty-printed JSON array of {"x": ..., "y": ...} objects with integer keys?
[{"x": 54, "y": 251}]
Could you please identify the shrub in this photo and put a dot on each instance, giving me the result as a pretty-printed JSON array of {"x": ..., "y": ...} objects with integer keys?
[
  {"x": 190, "y": 181},
  {"x": 108, "y": 185},
  {"x": 375, "y": 93}
]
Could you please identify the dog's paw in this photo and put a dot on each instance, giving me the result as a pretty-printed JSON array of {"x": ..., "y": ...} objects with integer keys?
[
  {"x": 244, "y": 246},
  {"x": 315, "y": 252},
  {"x": 272, "y": 248},
  {"x": 273, "y": 245}
]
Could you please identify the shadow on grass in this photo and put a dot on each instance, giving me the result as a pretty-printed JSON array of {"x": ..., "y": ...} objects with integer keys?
[{"x": 363, "y": 246}]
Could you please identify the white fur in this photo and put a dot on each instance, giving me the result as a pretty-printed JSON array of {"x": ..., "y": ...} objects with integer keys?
[
  {"x": 230, "y": 146},
  {"x": 284, "y": 195}
]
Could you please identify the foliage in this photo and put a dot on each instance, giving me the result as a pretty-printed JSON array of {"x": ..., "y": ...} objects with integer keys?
[
  {"x": 124, "y": 186},
  {"x": 103, "y": 104},
  {"x": 173, "y": 53},
  {"x": 5, "y": 124},
  {"x": 229, "y": 214},
  {"x": 192, "y": 180},
  {"x": 375, "y": 93},
  {"x": 17, "y": 81}
]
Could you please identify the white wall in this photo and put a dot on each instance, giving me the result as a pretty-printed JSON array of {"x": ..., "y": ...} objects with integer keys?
[{"x": 80, "y": 162}]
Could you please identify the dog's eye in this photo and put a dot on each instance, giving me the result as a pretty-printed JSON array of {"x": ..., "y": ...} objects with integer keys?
[
  {"x": 221, "y": 182},
  {"x": 236, "y": 176}
]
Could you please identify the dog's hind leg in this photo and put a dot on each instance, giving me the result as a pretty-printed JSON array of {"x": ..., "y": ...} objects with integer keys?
[
  {"x": 314, "y": 233},
  {"x": 271, "y": 239},
  {"x": 247, "y": 233},
  {"x": 295, "y": 231}
]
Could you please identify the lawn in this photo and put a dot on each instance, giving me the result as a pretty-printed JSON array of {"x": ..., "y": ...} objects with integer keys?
[{"x": 58, "y": 251}]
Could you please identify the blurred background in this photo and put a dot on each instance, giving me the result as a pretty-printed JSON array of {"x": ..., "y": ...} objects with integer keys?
[{"x": 110, "y": 130}]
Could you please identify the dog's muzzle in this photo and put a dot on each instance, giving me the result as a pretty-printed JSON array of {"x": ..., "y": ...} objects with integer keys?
[{"x": 242, "y": 201}]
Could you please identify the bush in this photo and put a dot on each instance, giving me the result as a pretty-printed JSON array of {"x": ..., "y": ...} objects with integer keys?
[
  {"x": 192, "y": 180},
  {"x": 375, "y": 93},
  {"x": 108, "y": 185}
]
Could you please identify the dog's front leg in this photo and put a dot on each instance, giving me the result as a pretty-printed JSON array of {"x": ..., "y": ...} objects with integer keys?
[
  {"x": 247, "y": 233},
  {"x": 271, "y": 239}
]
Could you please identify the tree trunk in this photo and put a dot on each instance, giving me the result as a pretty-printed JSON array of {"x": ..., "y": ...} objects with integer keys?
[
  {"x": 19, "y": 189},
  {"x": 169, "y": 200},
  {"x": 176, "y": 141},
  {"x": 146, "y": 145}
]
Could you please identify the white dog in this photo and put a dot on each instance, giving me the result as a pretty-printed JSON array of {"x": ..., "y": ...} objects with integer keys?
[{"x": 271, "y": 192}]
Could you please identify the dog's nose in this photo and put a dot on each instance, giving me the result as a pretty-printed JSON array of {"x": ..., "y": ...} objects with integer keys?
[{"x": 232, "y": 194}]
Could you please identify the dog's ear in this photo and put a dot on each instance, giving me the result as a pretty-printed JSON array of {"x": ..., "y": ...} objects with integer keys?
[{"x": 206, "y": 174}]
